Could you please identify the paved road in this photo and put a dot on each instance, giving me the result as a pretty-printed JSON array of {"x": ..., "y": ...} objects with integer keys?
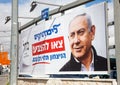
[{"x": 3, "y": 79}]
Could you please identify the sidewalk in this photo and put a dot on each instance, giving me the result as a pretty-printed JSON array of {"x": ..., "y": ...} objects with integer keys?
[{"x": 4, "y": 78}]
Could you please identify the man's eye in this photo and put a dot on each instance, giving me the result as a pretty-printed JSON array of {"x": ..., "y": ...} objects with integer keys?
[
  {"x": 72, "y": 35},
  {"x": 81, "y": 32}
]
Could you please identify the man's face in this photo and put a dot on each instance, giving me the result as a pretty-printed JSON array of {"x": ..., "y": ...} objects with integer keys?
[{"x": 80, "y": 37}]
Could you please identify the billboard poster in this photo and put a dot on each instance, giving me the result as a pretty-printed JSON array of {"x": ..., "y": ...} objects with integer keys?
[
  {"x": 26, "y": 58},
  {"x": 74, "y": 43}
]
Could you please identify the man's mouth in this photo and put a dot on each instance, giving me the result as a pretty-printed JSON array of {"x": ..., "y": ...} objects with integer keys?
[{"x": 78, "y": 49}]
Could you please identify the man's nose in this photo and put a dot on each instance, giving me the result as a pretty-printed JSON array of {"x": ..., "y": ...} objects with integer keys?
[{"x": 76, "y": 39}]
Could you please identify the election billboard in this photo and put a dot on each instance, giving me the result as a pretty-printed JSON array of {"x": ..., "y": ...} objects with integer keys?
[{"x": 74, "y": 43}]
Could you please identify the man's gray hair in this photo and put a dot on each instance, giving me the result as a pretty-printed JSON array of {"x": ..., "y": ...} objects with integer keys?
[{"x": 88, "y": 17}]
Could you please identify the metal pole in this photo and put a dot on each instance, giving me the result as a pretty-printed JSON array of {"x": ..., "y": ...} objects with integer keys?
[
  {"x": 47, "y": 3},
  {"x": 117, "y": 36},
  {"x": 14, "y": 41},
  {"x": 55, "y": 11}
]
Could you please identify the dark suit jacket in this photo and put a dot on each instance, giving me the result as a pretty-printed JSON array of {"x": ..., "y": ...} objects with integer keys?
[{"x": 100, "y": 64}]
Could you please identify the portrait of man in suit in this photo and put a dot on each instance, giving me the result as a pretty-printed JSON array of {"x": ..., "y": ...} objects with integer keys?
[{"x": 84, "y": 56}]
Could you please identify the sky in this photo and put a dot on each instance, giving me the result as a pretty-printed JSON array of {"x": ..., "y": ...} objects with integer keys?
[
  {"x": 10, "y": 1},
  {"x": 97, "y": 1},
  {"x": 24, "y": 11},
  {"x": 5, "y": 1}
]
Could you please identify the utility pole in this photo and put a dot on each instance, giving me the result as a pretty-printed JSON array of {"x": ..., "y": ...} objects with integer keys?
[
  {"x": 117, "y": 36},
  {"x": 14, "y": 41}
]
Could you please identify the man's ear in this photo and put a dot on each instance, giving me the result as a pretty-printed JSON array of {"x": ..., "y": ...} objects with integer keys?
[{"x": 93, "y": 31}]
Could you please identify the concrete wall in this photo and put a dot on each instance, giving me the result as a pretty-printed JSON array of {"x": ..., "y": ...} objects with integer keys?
[{"x": 65, "y": 81}]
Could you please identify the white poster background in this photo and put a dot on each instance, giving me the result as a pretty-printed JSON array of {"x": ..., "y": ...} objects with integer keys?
[
  {"x": 97, "y": 13},
  {"x": 26, "y": 58}
]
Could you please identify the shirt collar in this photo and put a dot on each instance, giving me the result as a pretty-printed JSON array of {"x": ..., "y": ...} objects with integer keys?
[{"x": 83, "y": 68}]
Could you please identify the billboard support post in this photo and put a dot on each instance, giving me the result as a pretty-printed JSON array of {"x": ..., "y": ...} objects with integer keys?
[
  {"x": 14, "y": 41},
  {"x": 117, "y": 36}
]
